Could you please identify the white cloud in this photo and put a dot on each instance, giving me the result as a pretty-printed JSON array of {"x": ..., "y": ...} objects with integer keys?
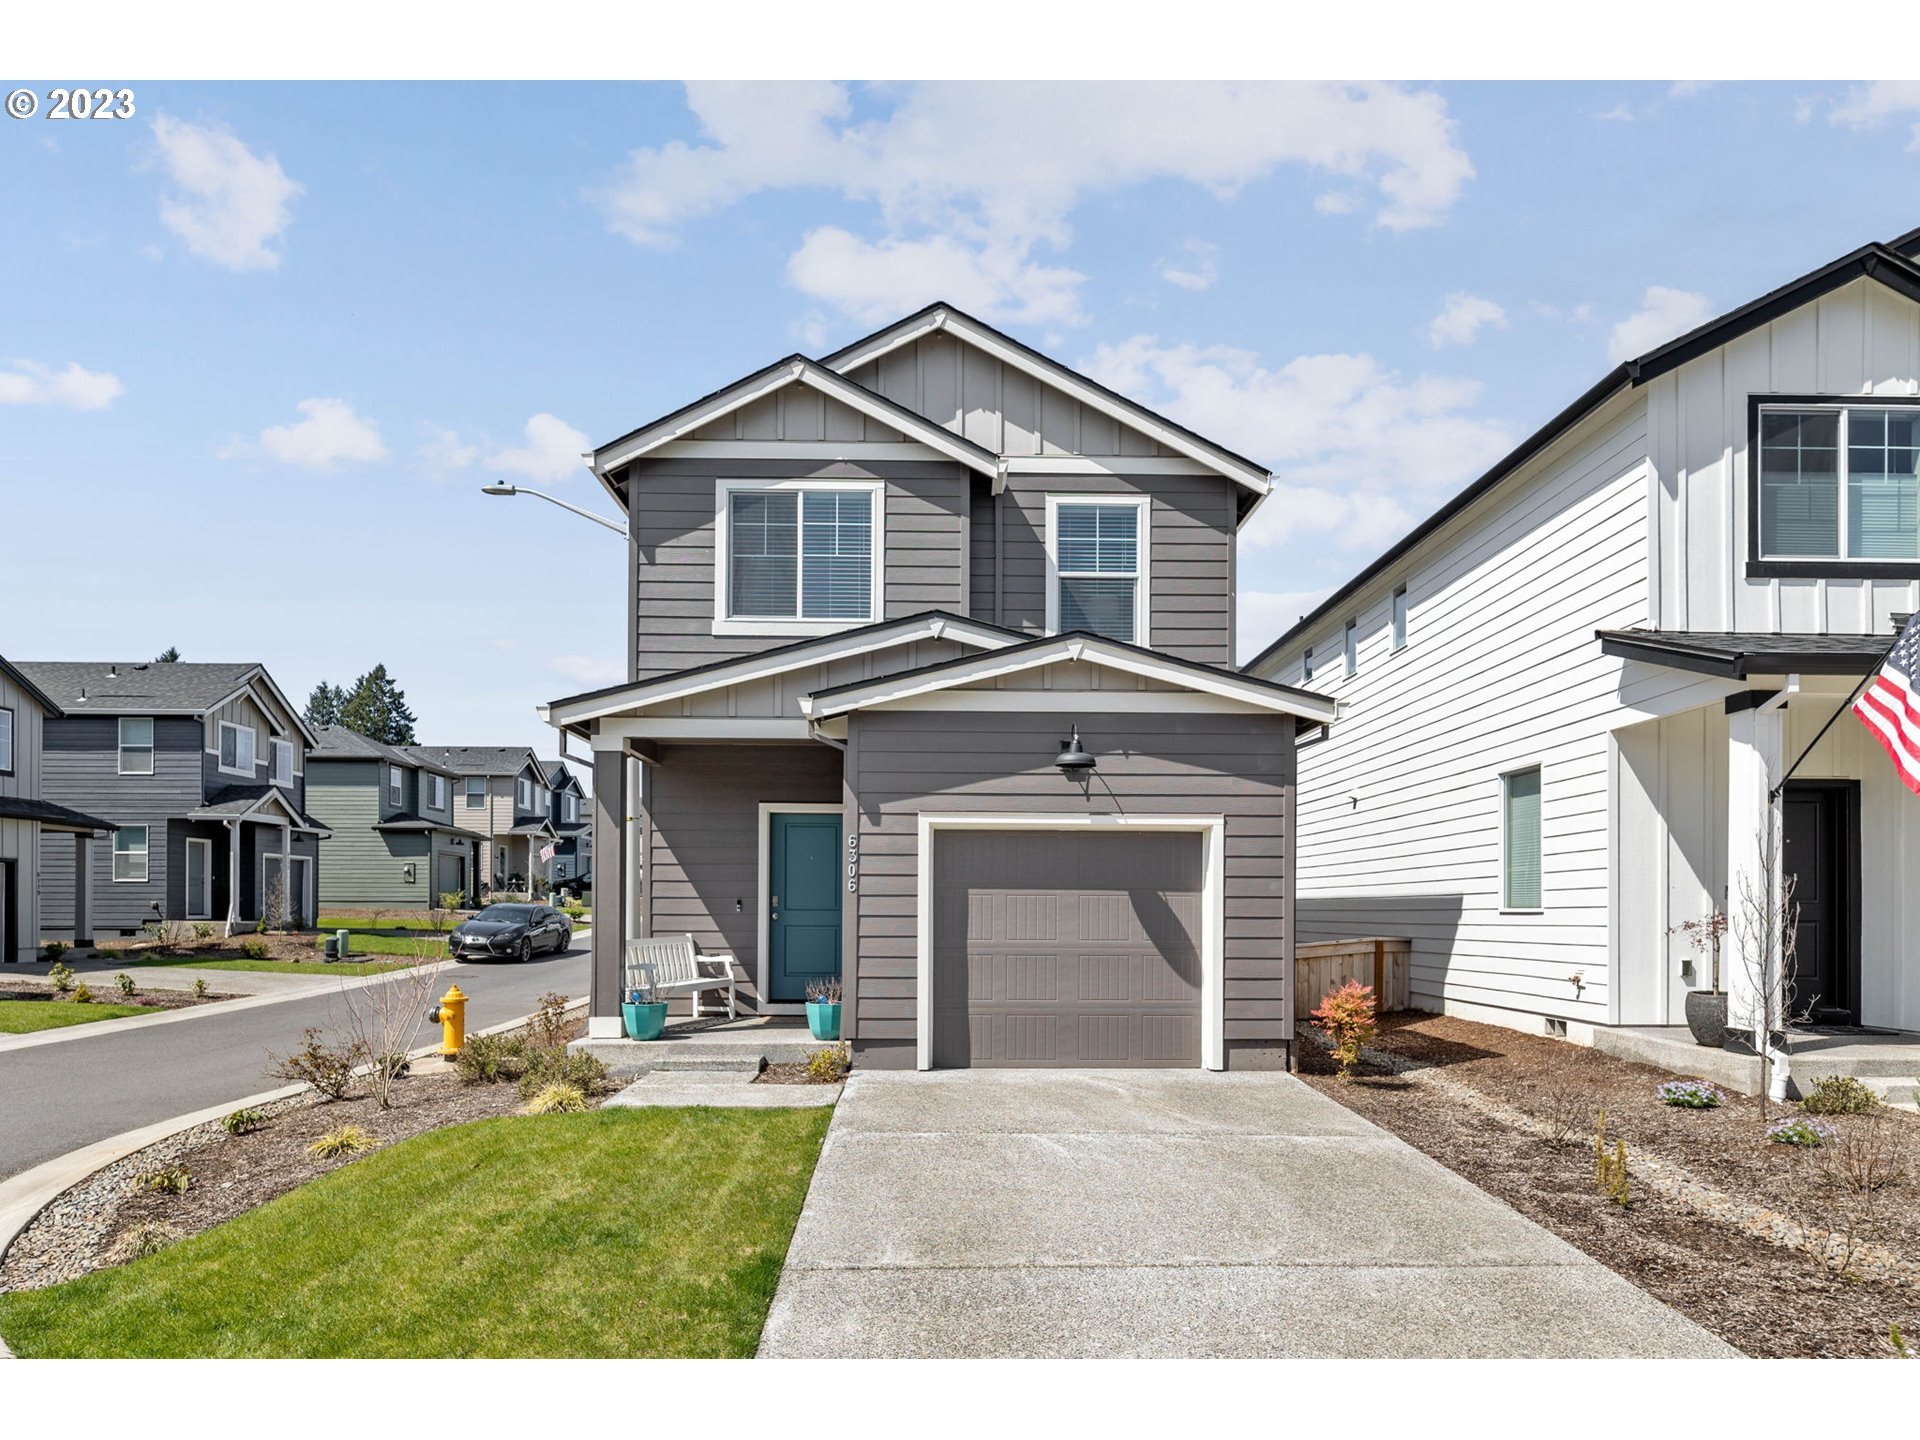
[
  {"x": 971, "y": 178},
  {"x": 1356, "y": 449},
  {"x": 74, "y": 388},
  {"x": 1867, "y": 107},
  {"x": 1687, "y": 89},
  {"x": 1620, "y": 111},
  {"x": 552, "y": 451},
  {"x": 230, "y": 203},
  {"x": 1335, "y": 202},
  {"x": 1663, "y": 314},
  {"x": 1199, "y": 270},
  {"x": 880, "y": 281},
  {"x": 811, "y": 331},
  {"x": 327, "y": 432},
  {"x": 444, "y": 450},
  {"x": 1461, "y": 319}
]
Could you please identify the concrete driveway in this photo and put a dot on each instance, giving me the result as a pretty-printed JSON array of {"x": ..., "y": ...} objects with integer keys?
[{"x": 1134, "y": 1213}]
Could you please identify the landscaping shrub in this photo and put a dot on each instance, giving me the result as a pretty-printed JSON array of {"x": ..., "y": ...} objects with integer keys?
[
  {"x": 1839, "y": 1095},
  {"x": 199, "y": 987},
  {"x": 125, "y": 982},
  {"x": 489, "y": 1059},
  {"x": 1610, "y": 1166},
  {"x": 343, "y": 1140},
  {"x": 244, "y": 1121},
  {"x": 256, "y": 950},
  {"x": 62, "y": 977},
  {"x": 327, "y": 1068},
  {"x": 168, "y": 1180},
  {"x": 586, "y": 1073},
  {"x": 1690, "y": 1094},
  {"x": 54, "y": 949},
  {"x": 558, "y": 1098},
  {"x": 82, "y": 994},
  {"x": 203, "y": 932},
  {"x": 1345, "y": 1017},
  {"x": 1800, "y": 1132},
  {"x": 549, "y": 1028},
  {"x": 144, "y": 1240},
  {"x": 830, "y": 1063}
]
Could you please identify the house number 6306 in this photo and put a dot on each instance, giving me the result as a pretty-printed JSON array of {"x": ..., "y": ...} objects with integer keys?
[{"x": 853, "y": 863}]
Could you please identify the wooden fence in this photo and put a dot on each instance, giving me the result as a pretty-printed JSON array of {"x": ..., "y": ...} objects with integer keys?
[{"x": 1379, "y": 961}]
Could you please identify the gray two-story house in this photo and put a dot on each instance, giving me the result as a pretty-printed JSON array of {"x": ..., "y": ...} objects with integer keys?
[
  {"x": 500, "y": 793},
  {"x": 201, "y": 769},
  {"x": 573, "y": 849},
  {"x": 929, "y": 676},
  {"x": 393, "y": 840}
]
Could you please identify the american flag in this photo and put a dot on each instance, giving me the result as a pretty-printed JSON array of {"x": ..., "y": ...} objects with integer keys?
[
  {"x": 546, "y": 852},
  {"x": 1890, "y": 705}
]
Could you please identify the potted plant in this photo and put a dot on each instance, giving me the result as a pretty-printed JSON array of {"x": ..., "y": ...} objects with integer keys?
[
  {"x": 1706, "y": 1009},
  {"x": 823, "y": 1009},
  {"x": 644, "y": 1013}
]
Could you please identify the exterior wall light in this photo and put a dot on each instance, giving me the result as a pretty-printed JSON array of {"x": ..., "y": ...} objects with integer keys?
[{"x": 1074, "y": 760}]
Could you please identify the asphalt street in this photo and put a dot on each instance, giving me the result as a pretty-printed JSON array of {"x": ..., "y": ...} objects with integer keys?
[{"x": 55, "y": 1098}]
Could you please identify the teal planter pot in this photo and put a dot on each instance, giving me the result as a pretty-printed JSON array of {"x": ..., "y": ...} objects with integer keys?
[
  {"x": 644, "y": 1022},
  {"x": 823, "y": 1020}
]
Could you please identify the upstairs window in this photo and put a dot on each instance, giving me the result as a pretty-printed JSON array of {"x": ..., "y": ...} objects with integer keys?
[
  {"x": 396, "y": 786},
  {"x": 523, "y": 793},
  {"x": 570, "y": 808},
  {"x": 237, "y": 744},
  {"x": 1307, "y": 666},
  {"x": 1520, "y": 839},
  {"x": 282, "y": 762},
  {"x": 1096, "y": 551},
  {"x": 1350, "y": 648},
  {"x": 476, "y": 792},
  {"x": 1399, "y": 617},
  {"x": 436, "y": 791},
  {"x": 1839, "y": 482},
  {"x": 136, "y": 745},
  {"x": 6, "y": 741},
  {"x": 801, "y": 553}
]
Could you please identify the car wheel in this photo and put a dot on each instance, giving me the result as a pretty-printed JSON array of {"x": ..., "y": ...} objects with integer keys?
[
  {"x": 566, "y": 941},
  {"x": 526, "y": 950}
]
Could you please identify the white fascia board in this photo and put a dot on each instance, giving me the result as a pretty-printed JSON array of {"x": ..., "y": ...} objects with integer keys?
[
  {"x": 1064, "y": 380},
  {"x": 759, "y": 667},
  {"x": 1136, "y": 702},
  {"x": 853, "y": 451},
  {"x": 887, "y": 690},
  {"x": 696, "y": 727}
]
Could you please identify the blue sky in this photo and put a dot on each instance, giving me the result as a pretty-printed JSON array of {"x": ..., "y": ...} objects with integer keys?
[{"x": 263, "y": 343}]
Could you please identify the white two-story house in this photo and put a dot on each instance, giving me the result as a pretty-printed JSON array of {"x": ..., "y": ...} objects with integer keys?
[{"x": 1579, "y": 703}]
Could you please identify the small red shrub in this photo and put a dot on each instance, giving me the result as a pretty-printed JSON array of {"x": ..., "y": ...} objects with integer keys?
[{"x": 1345, "y": 1017}]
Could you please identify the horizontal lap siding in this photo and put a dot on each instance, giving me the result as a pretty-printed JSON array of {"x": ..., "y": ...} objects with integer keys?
[
  {"x": 904, "y": 763},
  {"x": 20, "y": 839},
  {"x": 362, "y": 865}
]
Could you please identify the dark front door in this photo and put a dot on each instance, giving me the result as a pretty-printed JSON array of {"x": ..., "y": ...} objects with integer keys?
[
  {"x": 1821, "y": 829},
  {"x": 803, "y": 903}
]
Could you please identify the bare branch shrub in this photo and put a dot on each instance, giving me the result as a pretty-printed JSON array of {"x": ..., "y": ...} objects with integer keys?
[
  {"x": 383, "y": 1023},
  {"x": 1562, "y": 1107}
]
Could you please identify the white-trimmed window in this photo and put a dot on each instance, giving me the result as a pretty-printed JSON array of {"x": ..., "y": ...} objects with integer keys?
[
  {"x": 523, "y": 793},
  {"x": 570, "y": 808},
  {"x": 1520, "y": 839},
  {"x": 1839, "y": 482},
  {"x": 396, "y": 786},
  {"x": 136, "y": 745},
  {"x": 130, "y": 853},
  {"x": 6, "y": 741},
  {"x": 282, "y": 755},
  {"x": 237, "y": 748},
  {"x": 797, "y": 556},
  {"x": 1399, "y": 623},
  {"x": 476, "y": 791},
  {"x": 1097, "y": 566},
  {"x": 436, "y": 790},
  {"x": 1350, "y": 648}
]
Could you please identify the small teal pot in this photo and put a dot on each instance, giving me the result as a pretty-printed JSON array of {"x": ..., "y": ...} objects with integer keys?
[
  {"x": 644, "y": 1022},
  {"x": 823, "y": 1019}
]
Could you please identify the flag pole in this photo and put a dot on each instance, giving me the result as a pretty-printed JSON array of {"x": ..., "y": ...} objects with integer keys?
[{"x": 1845, "y": 706}]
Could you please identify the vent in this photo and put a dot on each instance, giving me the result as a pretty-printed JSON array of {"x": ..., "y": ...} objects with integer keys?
[{"x": 1556, "y": 1029}]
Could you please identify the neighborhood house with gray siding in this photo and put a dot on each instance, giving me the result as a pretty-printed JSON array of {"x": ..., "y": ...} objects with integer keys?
[
  {"x": 394, "y": 842},
  {"x": 500, "y": 792},
  {"x": 886, "y": 605}
]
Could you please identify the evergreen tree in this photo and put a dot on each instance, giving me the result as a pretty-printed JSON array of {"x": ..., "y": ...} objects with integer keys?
[
  {"x": 168, "y": 656},
  {"x": 323, "y": 705},
  {"x": 377, "y": 709}
]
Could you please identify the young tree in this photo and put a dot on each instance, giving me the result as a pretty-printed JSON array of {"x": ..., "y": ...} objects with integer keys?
[
  {"x": 1765, "y": 925},
  {"x": 323, "y": 705},
  {"x": 168, "y": 656},
  {"x": 377, "y": 709}
]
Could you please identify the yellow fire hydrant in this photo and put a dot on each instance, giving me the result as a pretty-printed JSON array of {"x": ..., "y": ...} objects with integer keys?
[{"x": 452, "y": 1015}]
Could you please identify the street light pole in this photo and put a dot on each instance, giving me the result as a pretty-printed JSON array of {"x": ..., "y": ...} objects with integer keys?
[{"x": 613, "y": 525}]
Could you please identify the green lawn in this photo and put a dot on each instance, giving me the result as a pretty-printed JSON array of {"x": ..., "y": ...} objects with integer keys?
[
  {"x": 21, "y": 1017},
  {"x": 619, "y": 1233},
  {"x": 281, "y": 967}
]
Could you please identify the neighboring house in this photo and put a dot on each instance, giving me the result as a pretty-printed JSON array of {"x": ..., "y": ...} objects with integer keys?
[
  {"x": 573, "y": 852},
  {"x": 874, "y": 598},
  {"x": 27, "y": 820},
  {"x": 499, "y": 793},
  {"x": 1566, "y": 697},
  {"x": 394, "y": 841},
  {"x": 202, "y": 770}
]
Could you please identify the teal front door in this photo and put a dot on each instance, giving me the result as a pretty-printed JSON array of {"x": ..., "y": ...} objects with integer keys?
[{"x": 803, "y": 903}]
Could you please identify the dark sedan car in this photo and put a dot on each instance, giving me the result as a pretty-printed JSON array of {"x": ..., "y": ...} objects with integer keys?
[{"x": 512, "y": 932}]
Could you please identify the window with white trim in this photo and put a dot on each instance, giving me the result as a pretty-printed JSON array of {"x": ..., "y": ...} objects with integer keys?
[
  {"x": 570, "y": 808},
  {"x": 136, "y": 745},
  {"x": 1097, "y": 566},
  {"x": 237, "y": 748},
  {"x": 6, "y": 741},
  {"x": 799, "y": 553},
  {"x": 436, "y": 791},
  {"x": 1307, "y": 665},
  {"x": 282, "y": 752},
  {"x": 1520, "y": 839},
  {"x": 396, "y": 785},
  {"x": 1399, "y": 624},
  {"x": 523, "y": 793},
  {"x": 1839, "y": 482},
  {"x": 476, "y": 791},
  {"x": 1350, "y": 648},
  {"x": 130, "y": 853}
]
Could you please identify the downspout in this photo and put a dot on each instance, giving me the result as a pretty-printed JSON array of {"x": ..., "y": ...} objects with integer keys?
[
  {"x": 999, "y": 563},
  {"x": 1779, "y": 1066}
]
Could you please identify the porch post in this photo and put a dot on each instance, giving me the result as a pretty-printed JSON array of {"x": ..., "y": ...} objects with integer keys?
[
  {"x": 610, "y": 861},
  {"x": 82, "y": 889},
  {"x": 1755, "y": 737},
  {"x": 233, "y": 877}
]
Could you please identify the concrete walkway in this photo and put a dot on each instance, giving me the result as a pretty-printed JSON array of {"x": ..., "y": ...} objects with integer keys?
[{"x": 1171, "y": 1213}]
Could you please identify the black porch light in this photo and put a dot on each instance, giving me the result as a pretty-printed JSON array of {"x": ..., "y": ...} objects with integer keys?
[{"x": 1073, "y": 760}]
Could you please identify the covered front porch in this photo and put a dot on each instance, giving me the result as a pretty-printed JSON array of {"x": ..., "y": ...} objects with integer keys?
[{"x": 248, "y": 855}]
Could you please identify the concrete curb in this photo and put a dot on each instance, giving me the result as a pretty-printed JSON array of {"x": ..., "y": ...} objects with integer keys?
[{"x": 24, "y": 1196}]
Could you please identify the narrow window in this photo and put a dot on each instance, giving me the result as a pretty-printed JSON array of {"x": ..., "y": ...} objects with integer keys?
[
  {"x": 1399, "y": 617},
  {"x": 436, "y": 791},
  {"x": 800, "y": 554},
  {"x": 476, "y": 792},
  {"x": 523, "y": 793},
  {"x": 1306, "y": 665},
  {"x": 396, "y": 785},
  {"x": 572, "y": 810},
  {"x": 1350, "y": 647},
  {"x": 282, "y": 762},
  {"x": 130, "y": 853},
  {"x": 136, "y": 745},
  {"x": 6, "y": 741},
  {"x": 1097, "y": 563},
  {"x": 1520, "y": 839}
]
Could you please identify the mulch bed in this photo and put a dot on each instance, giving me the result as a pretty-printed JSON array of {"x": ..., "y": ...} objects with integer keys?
[
  {"x": 1760, "y": 1297},
  {"x": 794, "y": 1073},
  {"x": 108, "y": 994},
  {"x": 300, "y": 947}
]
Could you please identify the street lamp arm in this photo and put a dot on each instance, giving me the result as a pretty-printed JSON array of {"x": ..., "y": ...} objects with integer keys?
[{"x": 613, "y": 525}]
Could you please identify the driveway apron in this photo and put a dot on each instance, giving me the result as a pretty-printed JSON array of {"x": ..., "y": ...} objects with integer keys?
[{"x": 1171, "y": 1213}]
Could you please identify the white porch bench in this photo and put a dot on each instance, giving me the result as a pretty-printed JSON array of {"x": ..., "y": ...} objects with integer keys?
[{"x": 672, "y": 966}]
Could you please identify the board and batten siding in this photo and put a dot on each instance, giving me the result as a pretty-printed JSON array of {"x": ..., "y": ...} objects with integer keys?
[
  {"x": 1861, "y": 340},
  {"x": 672, "y": 515},
  {"x": 1400, "y": 809},
  {"x": 902, "y": 763},
  {"x": 244, "y": 711},
  {"x": 778, "y": 696},
  {"x": 20, "y": 839}
]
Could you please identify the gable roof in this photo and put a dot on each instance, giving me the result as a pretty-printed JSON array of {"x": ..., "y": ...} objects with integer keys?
[
  {"x": 793, "y": 370},
  {"x": 1072, "y": 645},
  {"x": 941, "y": 316},
  {"x": 337, "y": 742},
  {"x": 33, "y": 692},
  {"x": 153, "y": 687},
  {"x": 1895, "y": 264},
  {"x": 458, "y": 760},
  {"x": 240, "y": 802}
]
